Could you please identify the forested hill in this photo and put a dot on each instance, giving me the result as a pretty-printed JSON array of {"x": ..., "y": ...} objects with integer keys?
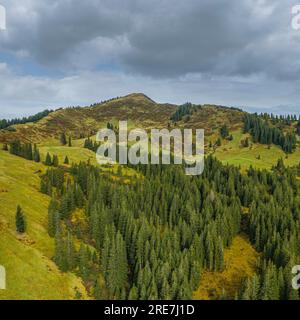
[
  {"x": 149, "y": 232},
  {"x": 232, "y": 135}
]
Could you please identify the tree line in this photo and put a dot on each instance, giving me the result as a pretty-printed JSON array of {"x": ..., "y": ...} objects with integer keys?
[
  {"x": 31, "y": 152},
  {"x": 183, "y": 111},
  {"x": 263, "y": 133},
  {"x": 24, "y": 150},
  {"x": 4, "y": 123}
]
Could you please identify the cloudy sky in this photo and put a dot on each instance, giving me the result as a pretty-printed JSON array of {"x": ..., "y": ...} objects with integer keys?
[{"x": 57, "y": 53}]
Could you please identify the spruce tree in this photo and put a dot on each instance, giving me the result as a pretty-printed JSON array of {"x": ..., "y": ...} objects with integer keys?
[
  {"x": 48, "y": 161},
  {"x": 55, "y": 161},
  {"x": 63, "y": 139},
  {"x": 133, "y": 294},
  {"x": 298, "y": 128},
  {"x": 53, "y": 217},
  {"x": 36, "y": 154},
  {"x": 20, "y": 220},
  {"x": 224, "y": 131},
  {"x": 60, "y": 256},
  {"x": 66, "y": 160}
]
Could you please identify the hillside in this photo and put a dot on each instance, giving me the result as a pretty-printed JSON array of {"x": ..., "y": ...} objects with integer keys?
[
  {"x": 142, "y": 112},
  {"x": 29, "y": 259},
  {"x": 136, "y": 108},
  {"x": 31, "y": 274}
]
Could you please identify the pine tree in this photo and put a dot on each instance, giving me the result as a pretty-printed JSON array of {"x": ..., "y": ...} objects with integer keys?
[
  {"x": 36, "y": 154},
  {"x": 66, "y": 160},
  {"x": 298, "y": 128},
  {"x": 70, "y": 252},
  {"x": 28, "y": 152},
  {"x": 20, "y": 220},
  {"x": 60, "y": 257},
  {"x": 48, "y": 161},
  {"x": 224, "y": 131},
  {"x": 83, "y": 262},
  {"x": 133, "y": 294},
  {"x": 55, "y": 161},
  {"x": 63, "y": 139},
  {"x": 114, "y": 263}
]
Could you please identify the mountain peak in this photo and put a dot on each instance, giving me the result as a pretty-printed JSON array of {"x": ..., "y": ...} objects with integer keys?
[{"x": 139, "y": 96}]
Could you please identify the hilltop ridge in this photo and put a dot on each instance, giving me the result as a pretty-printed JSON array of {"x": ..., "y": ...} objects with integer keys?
[{"x": 137, "y": 108}]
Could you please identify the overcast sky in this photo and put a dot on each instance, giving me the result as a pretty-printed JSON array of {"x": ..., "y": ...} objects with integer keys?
[{"x": 70, "y": 52}]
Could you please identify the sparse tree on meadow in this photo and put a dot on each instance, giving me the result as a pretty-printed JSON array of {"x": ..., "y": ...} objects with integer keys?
[{"x": 20, "y": 220}]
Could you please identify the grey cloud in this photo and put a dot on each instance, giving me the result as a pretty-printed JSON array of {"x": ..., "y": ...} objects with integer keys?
[
  {"x": 160, "y": 38},
  {"x": 24, "y": 95},
  {"x": 50, "y": 30},
  {"x": 241, "y": 53},
  {"x": 216, "y": 37}
]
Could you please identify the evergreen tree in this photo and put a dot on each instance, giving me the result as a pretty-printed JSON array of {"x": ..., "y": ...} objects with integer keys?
[
  {"x": 262, "y": 132},
  {"x": 63, "y": 139},
  {"x": 298, "y": 128},
  {"x": 224, "y": 131},
  {"x": 20, "y": 220},
  {"x": 133, "y": 294},
  {"x": 48, "y": 161},
  {"x": 53, "y": 217},
  {"x": 60, "y": 256},
  {"x": 218, "y": 142},
  {"x": 55, "y": 161},
  {"x": 36, "y": 154}
]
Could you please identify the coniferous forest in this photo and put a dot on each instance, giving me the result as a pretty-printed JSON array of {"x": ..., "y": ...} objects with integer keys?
[
  {"x": 7, "y": 123},
  {"x": 154, "y": 237},
  {"x": 262, "y": 132}
]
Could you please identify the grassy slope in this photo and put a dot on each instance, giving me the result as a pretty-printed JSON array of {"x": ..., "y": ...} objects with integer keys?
[
  {"x": 30, "y": 272},
  {"x": 75, "y": 154},
  {"x": 231, "y": 152},
  {"x": 240, "y": 262},
  {"x": 140, "y": 111},
  {"x": 137, "y": 109}
]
